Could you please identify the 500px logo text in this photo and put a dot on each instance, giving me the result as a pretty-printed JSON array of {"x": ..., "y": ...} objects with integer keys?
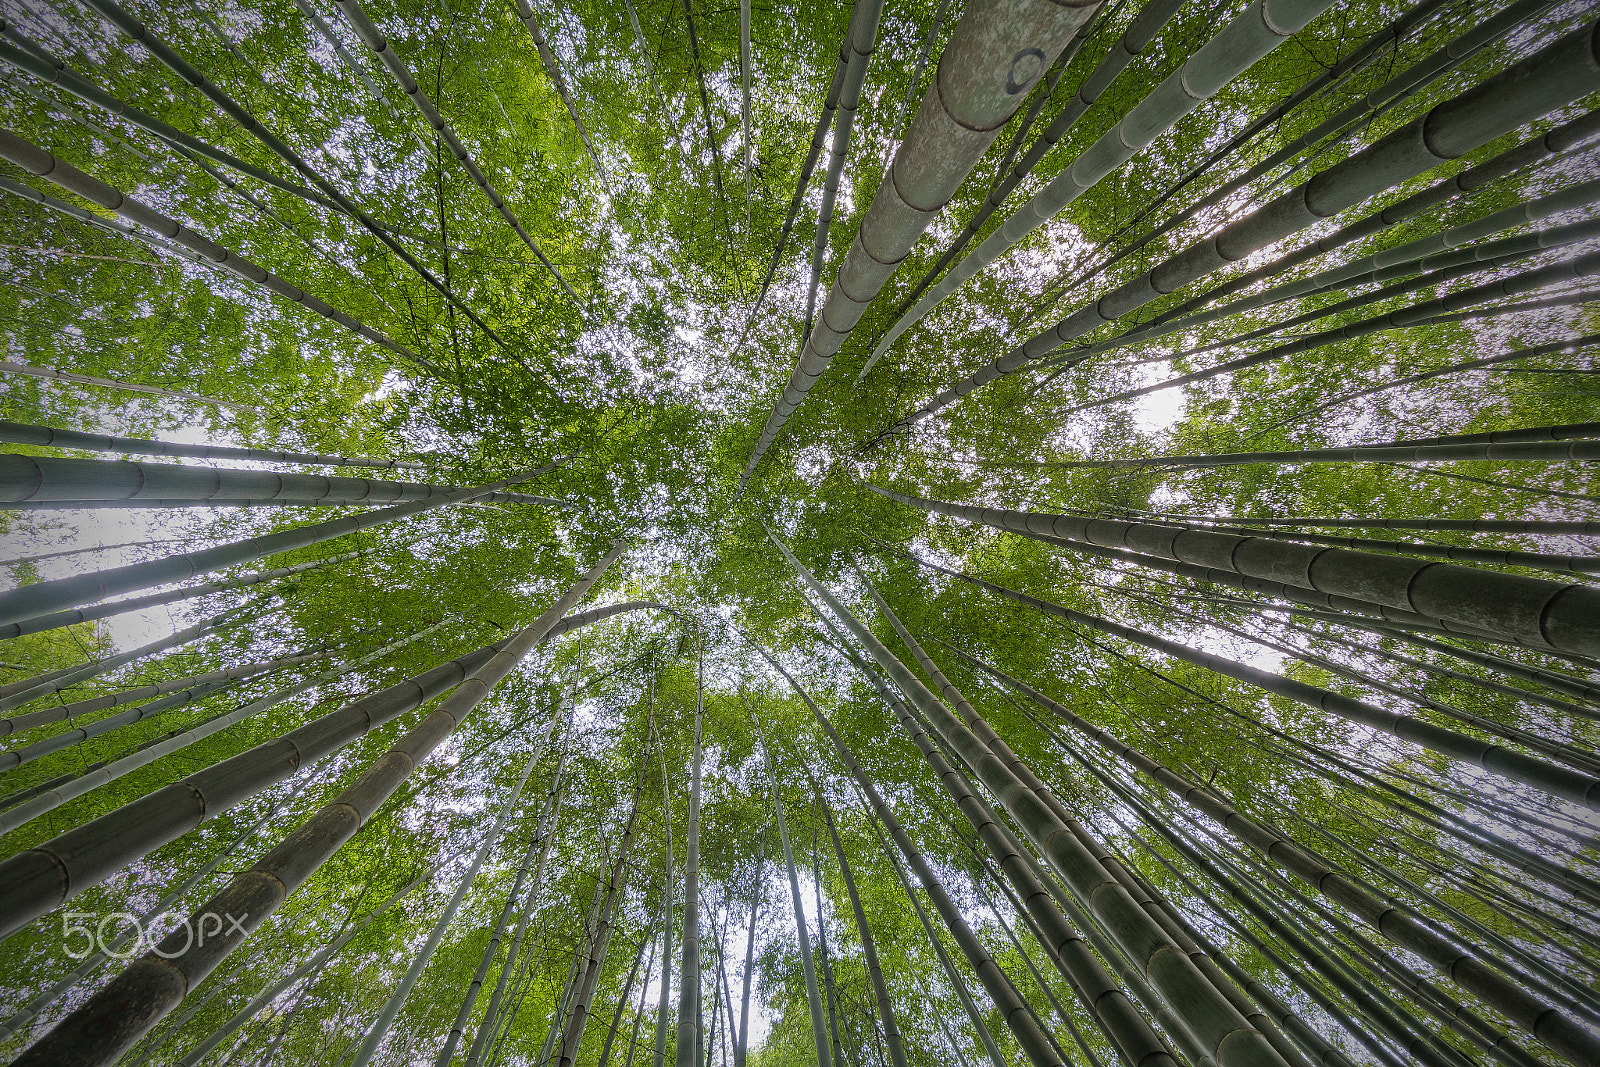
[{"x": 123, "y": 935}]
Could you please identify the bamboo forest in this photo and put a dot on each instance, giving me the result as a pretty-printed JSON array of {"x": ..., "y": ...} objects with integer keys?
[{"x": 800, "y": 533}]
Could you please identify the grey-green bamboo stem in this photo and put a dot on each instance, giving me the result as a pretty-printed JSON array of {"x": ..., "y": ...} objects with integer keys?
[
  {"x": 18, "y": 433},
  {"x": 996, "y": 53}
]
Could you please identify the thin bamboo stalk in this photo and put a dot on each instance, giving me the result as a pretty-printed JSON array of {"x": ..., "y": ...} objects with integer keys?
[{"x": 18, "y": 433}]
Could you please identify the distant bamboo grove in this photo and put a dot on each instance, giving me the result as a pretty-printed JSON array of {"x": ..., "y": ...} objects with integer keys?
[{"x": 992, "y": 533}]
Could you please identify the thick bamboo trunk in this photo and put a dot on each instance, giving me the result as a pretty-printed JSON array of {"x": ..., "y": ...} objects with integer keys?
[
  {"x": 104, "y": 1027},
  {"x": 51, "y": 481},
  {"x": 58, "y": 594},
  {"x": 36, "y": 161},
  {"x": 18, "y": 433},
  {"x": 1565, "y": 618},
  {"x": 379, "y": 1029},
  {"x": 996, "y": 53},
  {"x": 1563, "y": 71}
]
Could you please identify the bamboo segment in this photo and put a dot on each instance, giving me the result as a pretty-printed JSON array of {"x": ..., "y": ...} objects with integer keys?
[
  {"x": 1530, "y": 610},
  {"x": 104, "y": 1027},
  {"x": 53, "y": 482},
  {"x": 998, "y": 50}
]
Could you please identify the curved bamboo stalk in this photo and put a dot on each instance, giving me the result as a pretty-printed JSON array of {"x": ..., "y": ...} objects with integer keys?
[
  {"x": 60, "y": 593},
  {"x": 819, "y": 1031},
  {"x": 104, "y": 1027},
  {"x": 1245, "y": 41},
  {"x": 36, "y": 161},
  {"x": 55, "y": 482},
  {"x": 1563, "y": 71},
  {"x": 40, "y": 623},
  {"x": 379, "y": 1028},
  {"x": 113, "y": 13},
  {"x": 17, "y": 433},
  {"x": 960, "y": 116},
  {"x": 538, "y": 845},
  {"x": 1152, "y": 18},
  {"x": 1214, "y": 1023},
  {"x": 1560, "y": 617}
]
